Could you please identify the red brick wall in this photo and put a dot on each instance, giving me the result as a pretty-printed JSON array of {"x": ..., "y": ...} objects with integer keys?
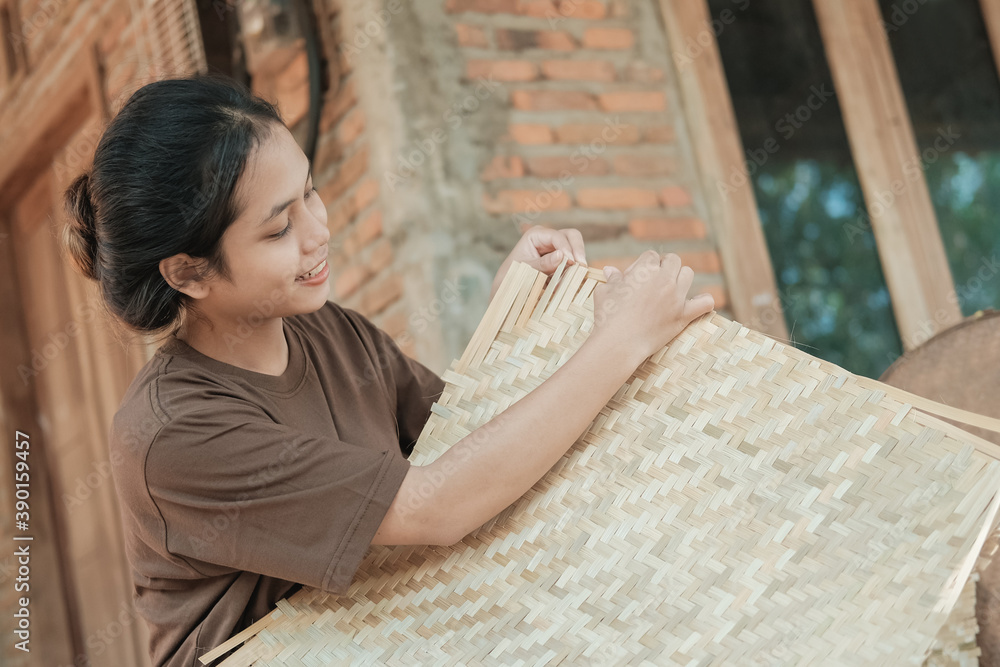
[
  {"x": 362, "y": 256},
  {"x": 592, "y": 138}
]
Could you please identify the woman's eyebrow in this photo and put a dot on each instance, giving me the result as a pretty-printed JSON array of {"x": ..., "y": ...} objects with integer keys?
[{"x": 281, "y": 207}]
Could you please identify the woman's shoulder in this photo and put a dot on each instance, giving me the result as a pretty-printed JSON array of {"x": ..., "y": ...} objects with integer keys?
[{"x": 167, "y": 386}]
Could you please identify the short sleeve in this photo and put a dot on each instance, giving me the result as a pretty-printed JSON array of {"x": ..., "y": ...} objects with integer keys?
[
  {"x": 416, "y": 386},
  {"x": 237, "y": 491}
]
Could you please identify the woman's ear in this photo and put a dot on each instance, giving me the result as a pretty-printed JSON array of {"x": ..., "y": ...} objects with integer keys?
[{"x": 185, "y": 274}]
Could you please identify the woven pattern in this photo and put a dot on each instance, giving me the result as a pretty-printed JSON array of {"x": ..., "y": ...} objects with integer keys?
[
  {"x": 955, "y": 644},
  {"x": 737, "y": 502}
]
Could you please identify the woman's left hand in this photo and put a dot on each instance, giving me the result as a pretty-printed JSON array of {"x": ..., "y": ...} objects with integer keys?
[{"x": 543, "y": 249}]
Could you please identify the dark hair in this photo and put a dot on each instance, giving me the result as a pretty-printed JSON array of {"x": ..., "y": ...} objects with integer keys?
[{"x": 162, "y": 182}]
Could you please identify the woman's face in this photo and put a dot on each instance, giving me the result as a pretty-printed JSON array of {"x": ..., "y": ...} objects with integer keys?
[{"x": 280, "y": 235}]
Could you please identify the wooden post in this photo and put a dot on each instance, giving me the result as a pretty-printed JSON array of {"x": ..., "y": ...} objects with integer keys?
[
  {"x": 991, "y": 18},
  {"x": 889, "y": 168},
  {"x": 733, "y": 215}
]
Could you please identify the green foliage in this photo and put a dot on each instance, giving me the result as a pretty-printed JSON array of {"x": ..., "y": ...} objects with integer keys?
[{"x": 829, "y": 277}]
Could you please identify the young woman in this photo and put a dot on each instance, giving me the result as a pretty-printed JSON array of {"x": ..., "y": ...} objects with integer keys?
[{"x": 264, "y": 445}]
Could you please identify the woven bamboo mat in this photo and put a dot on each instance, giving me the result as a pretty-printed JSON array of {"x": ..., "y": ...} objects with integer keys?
[{"x": 736, "y": 502}]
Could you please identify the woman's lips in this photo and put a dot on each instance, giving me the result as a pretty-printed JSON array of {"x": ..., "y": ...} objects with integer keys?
[{"x": 316, "y": 275}]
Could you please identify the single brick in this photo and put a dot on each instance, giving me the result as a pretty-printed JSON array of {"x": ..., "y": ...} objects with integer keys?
[
  {"x": 555, "y": 166},
  {"x": 538, "y": 8},
  {"x": 582, "y": 9},
  {"x": 501, "y": 70},
  {"x": 633, "y": 100},
  {"x": 530, "y": 133},
  {"x": 503, "y": 166},
  {"x": 608, "y": 38},
  {"x": 515, "y": 40},
  {"x": 471, "y": 36},
  {"x": 674, "y": 196},
  {"x": 552, "y": 100},
  {"x": 645, "y": 165},
  {"x": 616, "y": 198},
  {"x": 511, "y": 201},
  {"x": 556, "y": 40},
  {"x": 659, "y": 134},
  {"x": 585, "y": 133},
  {"x": 579, "y": 70},
  {"x": 520, "y": 40},
  {"x": 662, "y": 229}
]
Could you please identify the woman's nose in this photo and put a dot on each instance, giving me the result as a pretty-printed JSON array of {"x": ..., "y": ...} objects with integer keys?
[{"x": 319, "y": 233}]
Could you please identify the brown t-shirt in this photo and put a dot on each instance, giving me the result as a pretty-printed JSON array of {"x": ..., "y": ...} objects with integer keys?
[{"x": 236, "y": 486}]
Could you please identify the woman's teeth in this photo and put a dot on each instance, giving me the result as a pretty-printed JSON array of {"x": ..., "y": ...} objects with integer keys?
[{"x": 314, "y": 272}]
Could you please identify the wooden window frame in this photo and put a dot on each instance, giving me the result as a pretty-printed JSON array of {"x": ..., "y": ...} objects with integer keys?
[
  {"x": 881, "y": 139},
  {"x": 718, "y": 149},
  {"x": 882, "y": 142},
  {"x": 991, "y": 17}
]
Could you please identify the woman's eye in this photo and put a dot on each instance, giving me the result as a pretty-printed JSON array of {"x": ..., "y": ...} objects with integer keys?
[
  {"x": 283, "y": 231},
  {"x": 311, "y": 190}
]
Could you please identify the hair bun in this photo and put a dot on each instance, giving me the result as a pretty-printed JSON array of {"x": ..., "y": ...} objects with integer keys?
[{"x": 81, "y": 232}]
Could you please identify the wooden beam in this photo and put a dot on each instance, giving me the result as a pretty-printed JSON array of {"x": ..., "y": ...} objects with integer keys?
[
  {"x": 718, "y": 150},
  {"x": 51, "y": 611},
  {"x": 991, "y": 17},
  {"x": 888, "y": 164}
]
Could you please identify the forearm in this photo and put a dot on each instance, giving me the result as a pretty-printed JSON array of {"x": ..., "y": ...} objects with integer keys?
[{"x": 494, "y": 465}]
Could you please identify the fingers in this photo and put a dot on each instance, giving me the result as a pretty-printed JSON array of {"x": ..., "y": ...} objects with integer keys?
[
  {"x": 569, "y": 241},
  {"x": 647, "y": 257},
  {"x": 547, "y": 263},
  {"x": 698, "y": 306},
  {"x": 575, "y": 239}
]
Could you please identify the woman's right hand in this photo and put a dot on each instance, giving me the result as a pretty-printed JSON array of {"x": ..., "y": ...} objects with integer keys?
[{"x": 647, "y": 306}]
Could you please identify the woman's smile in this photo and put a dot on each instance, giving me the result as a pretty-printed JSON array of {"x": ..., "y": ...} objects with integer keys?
[{"x": 316, "y": 276}]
